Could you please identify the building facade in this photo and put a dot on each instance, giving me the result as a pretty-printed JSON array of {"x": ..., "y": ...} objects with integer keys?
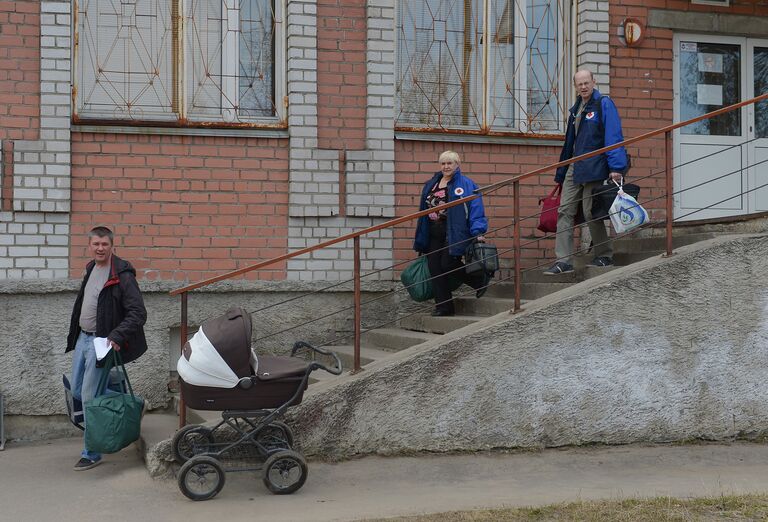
[{"x": 214, "y": 134}]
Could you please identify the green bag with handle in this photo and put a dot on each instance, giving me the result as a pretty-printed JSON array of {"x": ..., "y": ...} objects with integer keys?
[
  {"x": 417, "y": 280},
  {"x": 112, "y": 420}
]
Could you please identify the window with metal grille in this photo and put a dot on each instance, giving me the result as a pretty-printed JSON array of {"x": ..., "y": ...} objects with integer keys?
[
  {"x": 488, "y": 65},
  {"x": 192, "y": 61}
]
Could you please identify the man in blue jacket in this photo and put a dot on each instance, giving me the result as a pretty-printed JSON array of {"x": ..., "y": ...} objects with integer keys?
[{"x": 593, "y": 123}]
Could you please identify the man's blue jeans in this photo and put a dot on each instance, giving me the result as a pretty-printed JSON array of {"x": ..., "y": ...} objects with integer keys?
[{"x": 85, "y": 378}]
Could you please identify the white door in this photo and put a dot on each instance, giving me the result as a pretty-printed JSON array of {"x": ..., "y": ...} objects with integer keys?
[
  {"x": 710, "y": 157},
  {"x": 757, "y": 118}
]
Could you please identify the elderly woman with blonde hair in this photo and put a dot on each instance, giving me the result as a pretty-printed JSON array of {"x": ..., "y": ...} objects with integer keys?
[{"x": 445, "y": 234}]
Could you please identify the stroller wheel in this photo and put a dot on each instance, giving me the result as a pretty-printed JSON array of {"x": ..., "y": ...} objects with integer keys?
[
  {"x": 190, "y": 441},
  {"x": 201, "y": 478},
  {"x": 277, "y": 435},
  {"x": 285, "y": 472}
]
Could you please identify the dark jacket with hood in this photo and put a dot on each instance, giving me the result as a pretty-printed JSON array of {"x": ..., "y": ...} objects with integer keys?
[
  {"x": 464, "y": 221},
  {"x": 600, "y": 126},
  {"x": 120, "y": 312}
]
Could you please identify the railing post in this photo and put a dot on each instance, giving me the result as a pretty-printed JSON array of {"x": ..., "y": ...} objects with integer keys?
[
  {"x": 516, "y": 240},
  {"x": 356, "y": 364},
  {"x": 183, "y": 337},
  {"x": 670, "y": 189}
]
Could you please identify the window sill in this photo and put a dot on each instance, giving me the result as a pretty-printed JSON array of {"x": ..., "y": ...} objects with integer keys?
[
  {"x": 546, "y": 141},
  {"x": 181, "y": 131}
]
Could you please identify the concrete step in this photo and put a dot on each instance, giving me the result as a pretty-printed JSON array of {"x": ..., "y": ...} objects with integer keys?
[
  {"x": 627, "y": 258},
  {"x": 438, "y": 325},
  {"x": 658, "y": 243},
  {"x": 483, "y": 307},
  {"x": 394, "y": 339},
  {"x": 528, "y": 291},
  {"x": 537, "y": 275},
  {"x": 367, "y": 355}
]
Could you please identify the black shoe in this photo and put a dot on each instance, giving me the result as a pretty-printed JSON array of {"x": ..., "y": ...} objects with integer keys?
[
  {"x": 601, "y": 261},
  {"x": 85, "y": 463},
  {"x": 559, "y": 268},
  {"x": 442, "y": 313}
]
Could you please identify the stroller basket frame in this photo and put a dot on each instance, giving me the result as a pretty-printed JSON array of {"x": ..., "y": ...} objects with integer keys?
[{"x": 247, "y": 440}]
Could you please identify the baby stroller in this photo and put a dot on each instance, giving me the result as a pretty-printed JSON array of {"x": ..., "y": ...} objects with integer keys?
[{"x": 218, "y": 370}]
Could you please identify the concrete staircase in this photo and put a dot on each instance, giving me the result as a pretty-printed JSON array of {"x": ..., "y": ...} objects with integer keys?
[
  {"x": 381, "y": 343},
  {"x": 414, "y": 329}
]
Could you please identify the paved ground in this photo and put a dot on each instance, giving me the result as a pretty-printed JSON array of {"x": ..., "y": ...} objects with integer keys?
[{"x": 37, "y": 483}]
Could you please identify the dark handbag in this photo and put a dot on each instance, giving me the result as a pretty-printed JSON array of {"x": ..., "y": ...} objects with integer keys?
[
  {"x": 113, "y": 420},
  {"x": 74, "y": 406},
  {"x": 603, "y": 197},
  {"x": 481, "y": 257}
]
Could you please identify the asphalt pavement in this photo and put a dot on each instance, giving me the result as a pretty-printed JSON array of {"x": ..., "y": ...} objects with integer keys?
[{"x": 37, "y": 483}]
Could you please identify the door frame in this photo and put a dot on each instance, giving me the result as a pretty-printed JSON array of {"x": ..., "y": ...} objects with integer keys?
[
  {"x": 677, "y": 136},
  {"x": 752, "y": 131}
]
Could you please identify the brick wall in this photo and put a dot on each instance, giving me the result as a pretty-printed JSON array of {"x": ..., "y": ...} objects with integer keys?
[
  {"x": 341, "y": 74},
  {"x": 641, "y": 86},
  {"x": 416, "y": 162},
  {"x": 182, "y": 207},
  {"x": 19, "y": 70}
]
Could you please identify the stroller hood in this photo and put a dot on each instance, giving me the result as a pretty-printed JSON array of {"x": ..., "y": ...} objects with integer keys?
[{"x": 220, "y": 353}]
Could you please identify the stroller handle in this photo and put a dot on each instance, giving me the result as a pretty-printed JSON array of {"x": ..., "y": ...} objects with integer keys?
[{"x": 335, "y": 370}]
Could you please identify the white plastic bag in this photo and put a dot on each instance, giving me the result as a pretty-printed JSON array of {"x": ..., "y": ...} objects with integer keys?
[{"x": 626, "y": 212}]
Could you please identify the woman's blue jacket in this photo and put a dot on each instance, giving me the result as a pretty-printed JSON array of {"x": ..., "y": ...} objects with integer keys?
[
  {"x": 464, "y": 221},
  {"x": 600, "y": 126}
]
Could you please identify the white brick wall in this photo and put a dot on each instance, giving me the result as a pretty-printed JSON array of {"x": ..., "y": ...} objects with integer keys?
[
  {"x": 34, "y": 238},
  {"x": 592, "y": 50},
  {"x": 314, "y": 173}
]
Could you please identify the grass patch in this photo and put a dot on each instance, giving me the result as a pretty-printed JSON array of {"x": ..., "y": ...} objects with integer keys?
[{"x": 661, "y": 509}]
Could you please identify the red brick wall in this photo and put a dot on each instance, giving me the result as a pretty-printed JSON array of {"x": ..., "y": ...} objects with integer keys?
[
  {"x": 182, "y": 207},
  {"x": 416, "y": 162},
  {"x": 341, "y": 74},
  {"x": 19, "y": 69},
  {"x": 641, "y": 86}
]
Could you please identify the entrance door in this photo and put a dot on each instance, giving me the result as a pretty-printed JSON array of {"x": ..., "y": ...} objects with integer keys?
[
  {"x": 711, "y": 172},
  {"x": 757, "y": 116}
]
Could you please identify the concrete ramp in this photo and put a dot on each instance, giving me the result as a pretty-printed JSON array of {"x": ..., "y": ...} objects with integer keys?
[{"x": 661, "y": 350}]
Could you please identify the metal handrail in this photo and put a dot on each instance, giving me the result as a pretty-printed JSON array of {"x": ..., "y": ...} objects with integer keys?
[
  {"x": 515, "y": 181},
  {"x": 663, "y": 130}
]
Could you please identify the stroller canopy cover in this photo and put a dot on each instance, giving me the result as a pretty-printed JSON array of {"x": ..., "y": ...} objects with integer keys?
[{"x": 220, "y": 353}]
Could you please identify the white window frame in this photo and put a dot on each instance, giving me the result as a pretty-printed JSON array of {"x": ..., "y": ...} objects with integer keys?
[{"x": 720, "y": 3}]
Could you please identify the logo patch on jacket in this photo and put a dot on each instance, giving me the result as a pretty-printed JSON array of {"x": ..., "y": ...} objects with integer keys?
[
  {"x": 459, "y": 191},
  {"x": 590, "y": 115}
]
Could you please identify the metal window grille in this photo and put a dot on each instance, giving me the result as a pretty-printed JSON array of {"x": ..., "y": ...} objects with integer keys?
[
  {"x": 179, "y": 61},
  {"x": 489, "y": 65}
]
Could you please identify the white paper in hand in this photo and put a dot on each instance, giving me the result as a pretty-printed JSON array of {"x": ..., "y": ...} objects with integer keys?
[{"x": 102, "y": 346}]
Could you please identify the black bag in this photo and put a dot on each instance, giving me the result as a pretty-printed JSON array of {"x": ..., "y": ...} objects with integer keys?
[
  {"x": 481, "y": 257},
  {"x": 603, "y": 196}
]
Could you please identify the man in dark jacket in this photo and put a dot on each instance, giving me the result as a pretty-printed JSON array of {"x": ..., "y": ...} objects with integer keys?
[
  {"x": 593, "y": 123},
  {"x": 110, "y": 306}
]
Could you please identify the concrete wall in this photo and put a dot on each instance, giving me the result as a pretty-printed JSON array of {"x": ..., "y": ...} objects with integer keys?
[
  {"x": 663, "y": 350},
  {"x": 36, "y": 320}
]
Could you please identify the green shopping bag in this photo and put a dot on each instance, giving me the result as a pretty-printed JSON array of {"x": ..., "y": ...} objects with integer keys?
[
  {"x": 417, "y": 280},
  {"x": 112, "y": 420}
]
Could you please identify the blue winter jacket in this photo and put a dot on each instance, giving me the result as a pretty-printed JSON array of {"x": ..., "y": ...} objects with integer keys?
[
  {"x": 464, "y": 221},
  {"x": 592, "y": 136}
]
